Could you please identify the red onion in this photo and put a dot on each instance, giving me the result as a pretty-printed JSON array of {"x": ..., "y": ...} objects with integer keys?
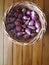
[
  {"x": 24, "y": 10},
  {"x": 27, "y": 21},
  {"x": 17, "y": 23},
  {"x": 20, "y": 16},
  {"x": 18, "y": 28},
  {"x": 33, "y": 13},
  {"x": 28, "y": 31},
  {"x": 37, "y": 24},
  {"x": 11, "y": 19},
  {"x": 10, "y": 26},
  {"x": 24, "y": 26},
  {"x": 32, "y": 27},
  {"x": 20, "y": 33},
  {"x": 23, "y": 29},
  {"x": 16, "y": 14},
  {"x": 31, "y": 22},
  {"x": 26, "y": 36},
  {"x": 34, "y": 16},
  {"x": 33, "y": 34},
  {"x": 24, "y": 17},
  {"x": 37, "y": 30},
  {"x": 28, "y": 12}
]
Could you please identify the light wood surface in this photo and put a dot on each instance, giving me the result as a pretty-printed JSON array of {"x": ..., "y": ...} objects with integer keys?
[
  {"x": 1, "y": 33},
  {"x": 12, "y": 53},
  {"x": 37, "y": 53},
  {"x": 7, "y": 43}
]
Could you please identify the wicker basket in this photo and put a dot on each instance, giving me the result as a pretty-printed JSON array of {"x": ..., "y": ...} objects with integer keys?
[{"x": 34, "y": 7}]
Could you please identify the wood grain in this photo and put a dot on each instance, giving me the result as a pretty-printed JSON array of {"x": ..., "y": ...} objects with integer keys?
[
  {"x": 1, "y": 32},
  {"x": 37, "y": 53},
  {"x": 8, "y": 4},
  {"x": 7, "y": 42},
  {"x": 39, "y": 3},
  {"x": 28, "y": 0},
  {"x": 46, "y": 50},
  {"x": 15, "y": 1},
  {"x": 27, "y": 54},
  {"x": 17, "y": 54},
  {"x": 46, "y": 37}
]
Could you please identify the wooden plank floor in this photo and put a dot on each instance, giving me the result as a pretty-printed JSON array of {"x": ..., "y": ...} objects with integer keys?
[{"x": 12, "y": 53}]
